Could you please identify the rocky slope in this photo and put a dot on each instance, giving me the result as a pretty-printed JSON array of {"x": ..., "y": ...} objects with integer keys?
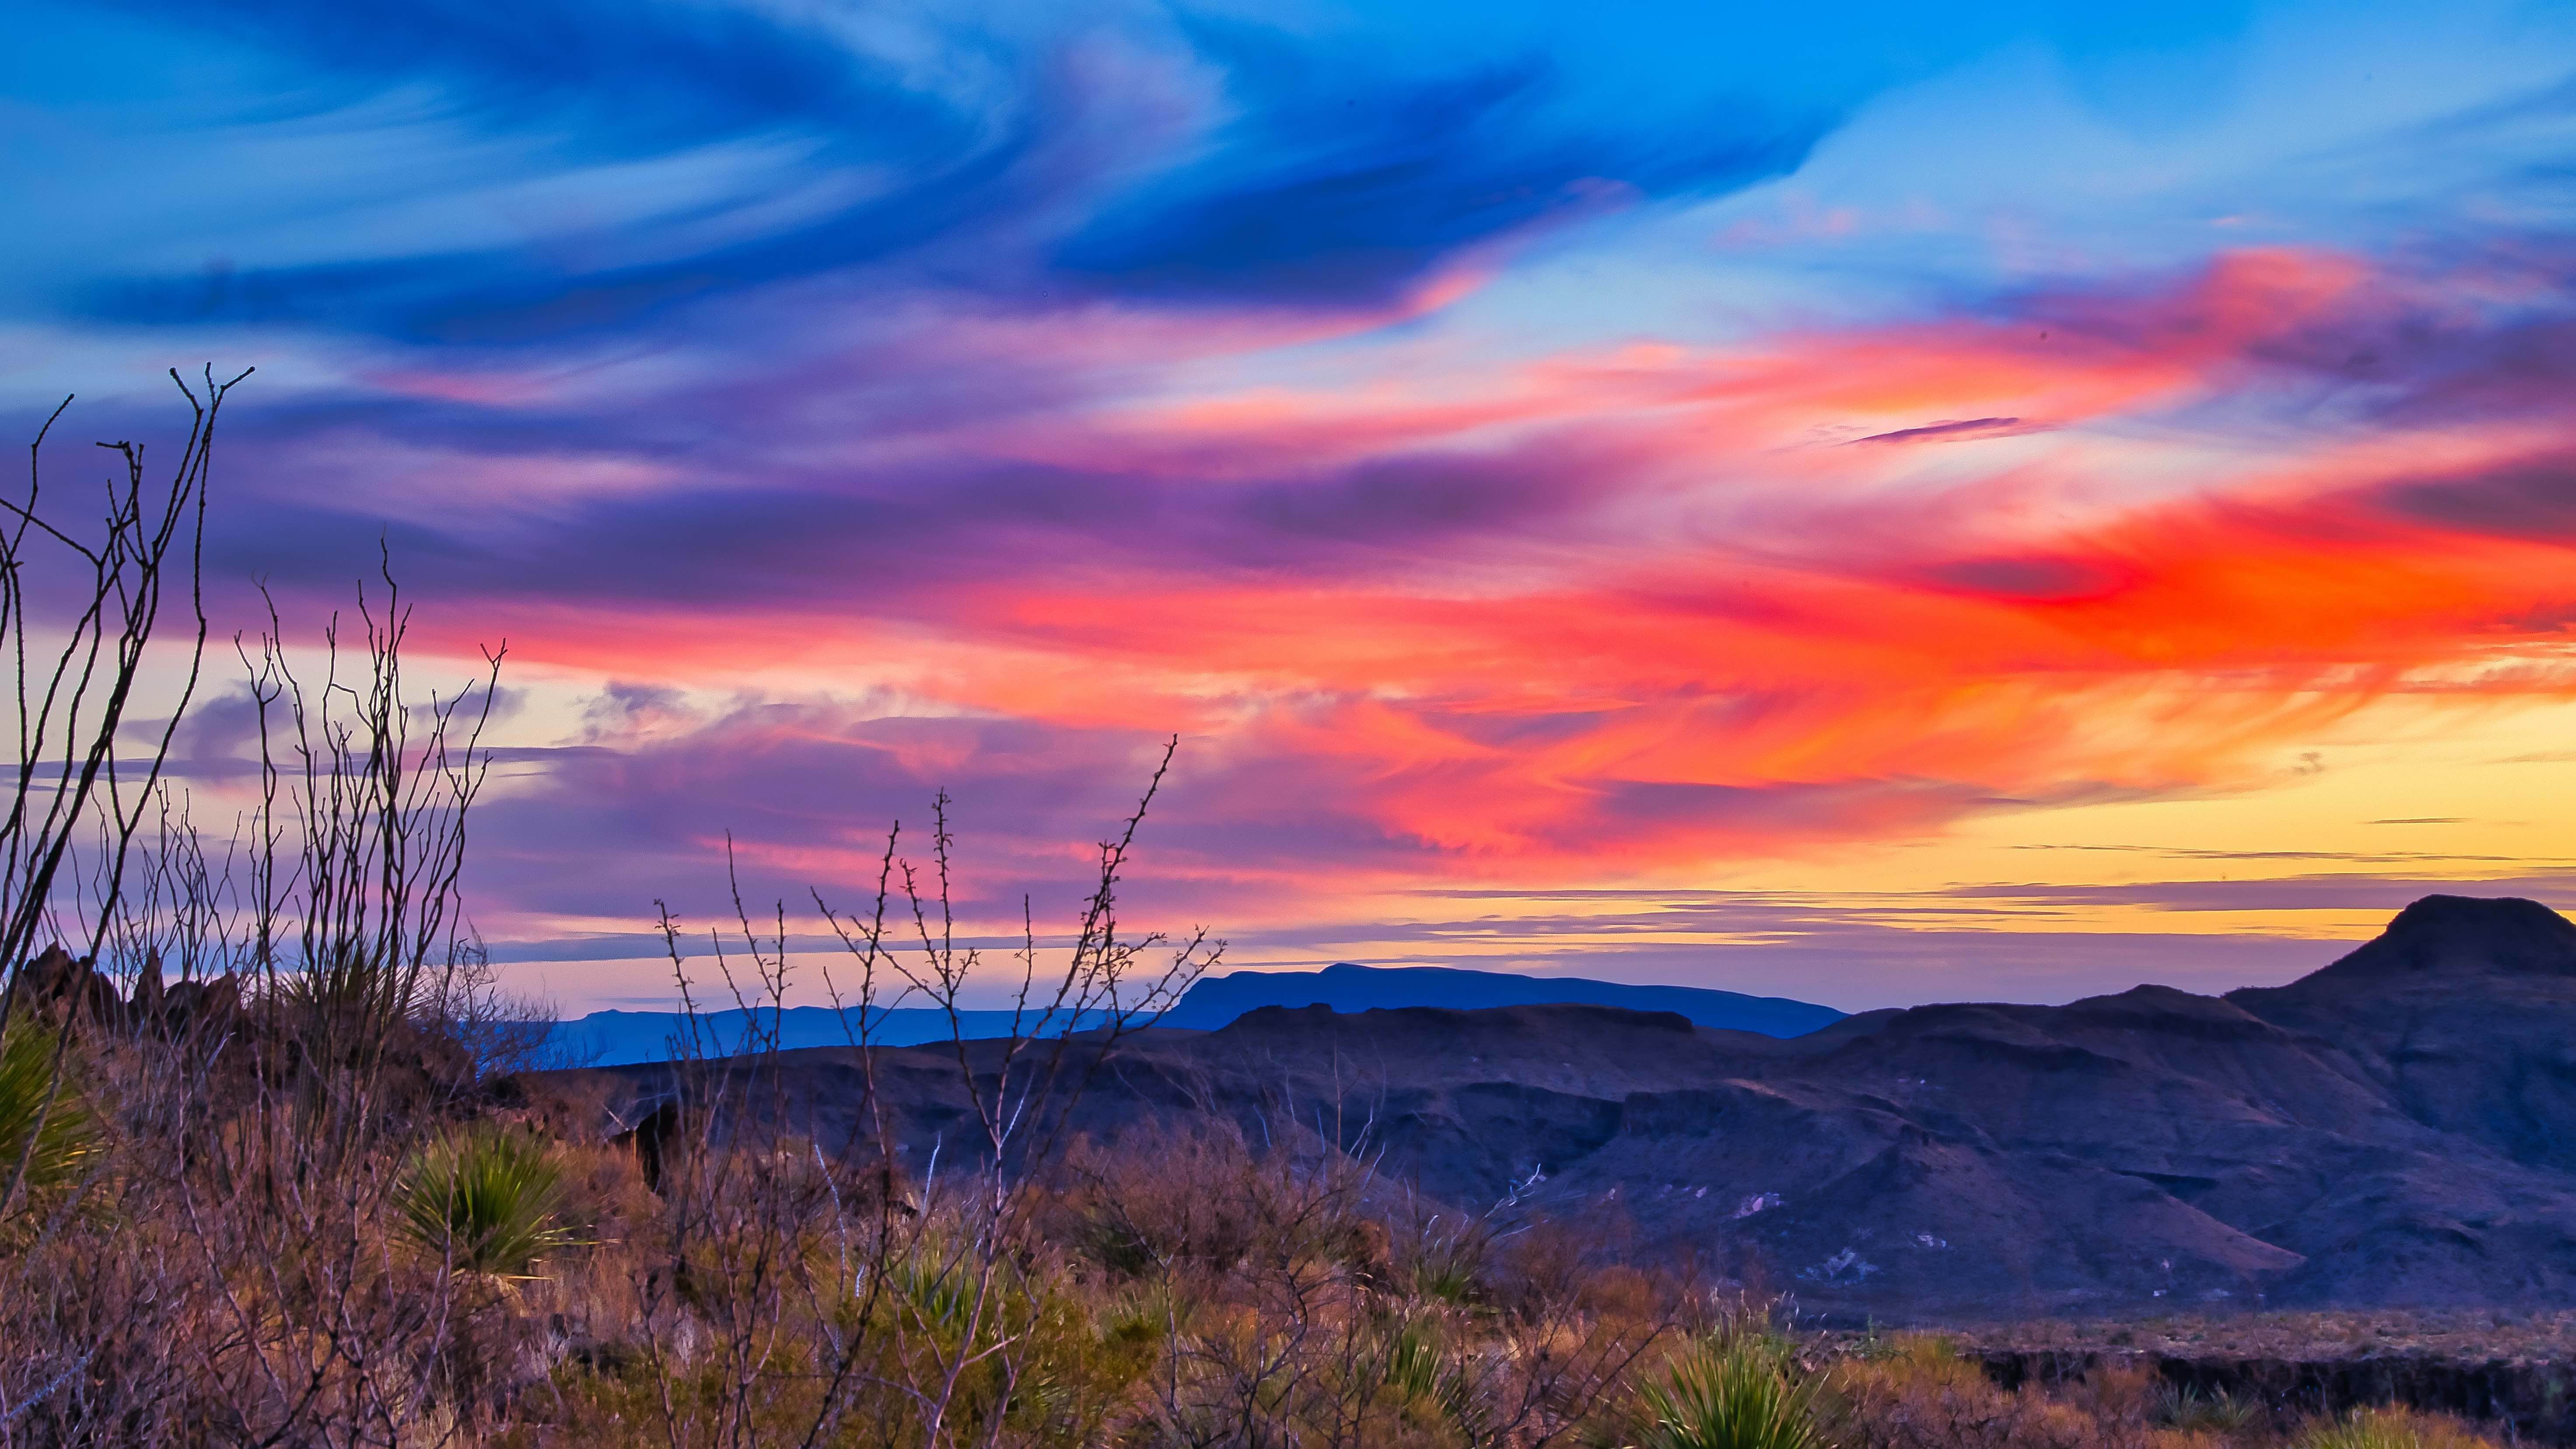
[{"x": 2397, "y": 1128}]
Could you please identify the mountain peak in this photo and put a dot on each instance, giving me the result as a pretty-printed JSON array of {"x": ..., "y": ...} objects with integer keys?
[{"x": 2467, "y": 935}]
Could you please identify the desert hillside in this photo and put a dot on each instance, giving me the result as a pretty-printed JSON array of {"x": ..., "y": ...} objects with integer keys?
[{"x": 2391, "y": 1130}]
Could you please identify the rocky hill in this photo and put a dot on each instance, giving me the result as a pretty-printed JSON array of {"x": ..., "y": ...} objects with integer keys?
[{"x": 2398, "y": 1128}]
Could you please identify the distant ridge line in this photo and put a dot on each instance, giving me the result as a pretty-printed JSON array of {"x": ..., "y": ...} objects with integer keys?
[
  {"x": 1349, "y": 987},
  {"x": 621, "y": 1038}
]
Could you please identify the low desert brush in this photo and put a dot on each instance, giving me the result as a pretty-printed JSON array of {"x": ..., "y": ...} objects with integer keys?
[{"x": 1919, "y": 1392}]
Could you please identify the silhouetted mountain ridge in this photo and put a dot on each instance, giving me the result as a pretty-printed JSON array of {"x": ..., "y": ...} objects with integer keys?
[{"x": 1346, "y": 987}]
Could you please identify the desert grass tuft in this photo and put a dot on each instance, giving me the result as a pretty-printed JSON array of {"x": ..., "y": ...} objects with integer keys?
[
  {"x": 486, "y": 1201},
  {"x": 1733, "y": 1392},
  {"x": 2391, "y": 1428}
]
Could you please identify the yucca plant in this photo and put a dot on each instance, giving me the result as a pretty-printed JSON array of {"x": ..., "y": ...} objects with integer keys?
[
  {"x": 1425, "y": 1372},
  {"x": 353, "y": 999},
  {"x": 490, "y": 1202},
  {"x": 1729, "y": 1393},
  {"x": 41, "y": 1118},
  {"x": 2189, "y": 1408},
  {"x": 938, "y": 1293}
]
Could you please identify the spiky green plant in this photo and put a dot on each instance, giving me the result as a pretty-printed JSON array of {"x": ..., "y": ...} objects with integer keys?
[
  {"x": 490, "y": 1202},
  {"x": 937, "y": 1292},
  {"x": 351, "y": 1000},
  {"x": 2189, "y": 1408},
  {"x": 1426, "y": 1372},
  {"x": 1733, "y": 1392},
  {"x": 41, "y": 1118}
]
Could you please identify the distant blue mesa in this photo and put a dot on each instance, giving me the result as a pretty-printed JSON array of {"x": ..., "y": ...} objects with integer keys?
[{"x": 621, "y": 1038}]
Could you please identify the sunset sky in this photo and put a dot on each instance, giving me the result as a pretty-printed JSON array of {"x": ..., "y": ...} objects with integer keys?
[{"x": 1872, "y": 503}]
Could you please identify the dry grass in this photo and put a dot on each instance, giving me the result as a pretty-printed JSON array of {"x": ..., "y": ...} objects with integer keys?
[
  {"x": 2388, "y": 1428},
  {"x": 1918, "y": 1393},
  {"x": 1922, "y": 1392}
]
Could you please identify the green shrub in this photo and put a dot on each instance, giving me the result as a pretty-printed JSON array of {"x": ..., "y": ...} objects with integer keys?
[
  {"x": 486, "y": 1202},
  {"x": 41, "y": 1119},
  {"x": 1729, "y": 1393}
]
